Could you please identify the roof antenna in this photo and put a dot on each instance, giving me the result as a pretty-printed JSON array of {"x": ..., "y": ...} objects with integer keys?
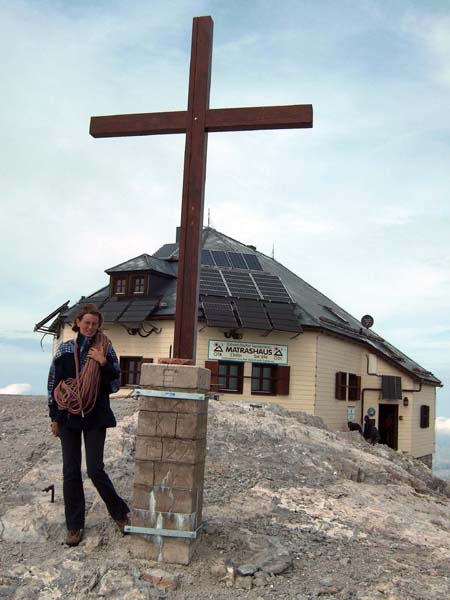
[
  {"x": 210, "y": 221},
  {"x": 273, "y": 250}
]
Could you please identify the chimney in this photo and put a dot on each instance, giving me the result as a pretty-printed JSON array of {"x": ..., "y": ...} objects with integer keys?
[{"x": 177, "y": 236}]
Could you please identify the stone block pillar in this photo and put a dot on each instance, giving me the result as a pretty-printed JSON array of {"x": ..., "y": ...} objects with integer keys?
[{"x": 170, "y": 462}]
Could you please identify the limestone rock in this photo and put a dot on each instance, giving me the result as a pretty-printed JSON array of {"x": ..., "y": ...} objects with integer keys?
[
  {"x": 243, "y": 582},
  {"x": 163, "y": 579},
  {"x": 247, "y": 569}
]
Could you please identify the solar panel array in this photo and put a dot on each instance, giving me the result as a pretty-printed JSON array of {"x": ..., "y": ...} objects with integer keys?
[
  {"x": 241, "y": 285},
  {"x": 283, "y": 317},
  {"x": 238, "y": 284},
  {"x": 128, "y": 311},
  {"x": 113, "y": 309},
  {"x": 211, "y": 283},
  {"x": 271, "y": 287},
  {"x": 252, "y": 314},
  {"x": 233, "y": 313},
  {"x": 219, "y": 313},
  {"x": 237, "y": 260},
  {"x": 207, "y": 258},
  {"x": 252, "y": 262},
  {"x": 138, "y": 311},
  {"x": 234, "y": 260}
]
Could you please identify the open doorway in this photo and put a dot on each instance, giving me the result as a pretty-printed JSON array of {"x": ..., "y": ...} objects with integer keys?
[{"x": 388, "y": 425}]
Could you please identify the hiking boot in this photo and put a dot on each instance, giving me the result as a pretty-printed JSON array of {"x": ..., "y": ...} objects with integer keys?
[
  {"x": 122, "y": 522},
  {"x": 73, "y": 537}
]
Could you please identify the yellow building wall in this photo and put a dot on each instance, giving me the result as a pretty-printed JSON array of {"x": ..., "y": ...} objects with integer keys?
[
  {"x": 423, "y": 440},
  {"x": 334, "y": 355},
  {"x": 301, "y": 359},
  {"x": 156, "y": 345},
  {"x": 372, "y": 399},
  {"x": 314, "y": 360},
  {"x": 411, "y": 438}
]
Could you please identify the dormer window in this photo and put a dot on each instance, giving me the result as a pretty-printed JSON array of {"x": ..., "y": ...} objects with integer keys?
[
  {"x": 138, "y": 285},
  {"x": 120, "y": 286}
]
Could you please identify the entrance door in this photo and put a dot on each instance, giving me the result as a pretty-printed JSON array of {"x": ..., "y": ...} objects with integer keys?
[{"x": 388, "y": 424}]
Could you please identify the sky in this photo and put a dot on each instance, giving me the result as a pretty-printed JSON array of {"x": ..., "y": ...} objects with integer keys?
[{"x": 357, "y": 206}]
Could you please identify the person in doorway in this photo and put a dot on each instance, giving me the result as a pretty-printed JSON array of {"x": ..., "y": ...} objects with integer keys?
[
  {"x": 354, "y": 427},
  {"x": 83, "y": 373},
  {"x": 370, "y": 432}
]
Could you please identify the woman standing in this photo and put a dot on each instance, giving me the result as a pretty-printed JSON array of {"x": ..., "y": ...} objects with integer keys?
[{"x": 83, "y": 373}]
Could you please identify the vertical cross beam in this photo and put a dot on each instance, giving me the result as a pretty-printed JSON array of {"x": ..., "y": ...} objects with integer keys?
[
  {"x": 196, "y": 122},
  {"x": 185, "y": 337}
]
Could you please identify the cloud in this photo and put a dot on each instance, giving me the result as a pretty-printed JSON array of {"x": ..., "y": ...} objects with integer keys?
[
  {"x": 17, "y": 389},
  {"x": 431, "y": 32},
  {"x": 443, "y": 425}
]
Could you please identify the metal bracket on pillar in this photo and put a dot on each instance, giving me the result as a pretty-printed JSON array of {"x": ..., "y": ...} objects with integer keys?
[
  {"x": 175, "y": 395},
  {"x": 192, "y": 535}
]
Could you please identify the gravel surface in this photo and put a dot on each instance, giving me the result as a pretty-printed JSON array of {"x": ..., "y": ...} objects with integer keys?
[{"x": 342, "y": 519}]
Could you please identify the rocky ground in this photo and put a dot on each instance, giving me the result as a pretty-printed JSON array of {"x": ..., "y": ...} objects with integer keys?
[{"x": 333, "y": 517}]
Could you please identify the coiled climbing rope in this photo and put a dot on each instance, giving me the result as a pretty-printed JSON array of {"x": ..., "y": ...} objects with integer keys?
[{"x": 78, "y": 395}]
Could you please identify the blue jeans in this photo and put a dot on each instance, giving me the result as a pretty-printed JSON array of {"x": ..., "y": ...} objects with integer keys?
[{"x": 74, "y": 503}]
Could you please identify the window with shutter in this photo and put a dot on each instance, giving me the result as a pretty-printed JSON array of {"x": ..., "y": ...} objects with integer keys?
[
  {"x": 391, "y": 387},
  {"x": 230, "y": 377},
  {"x": 354, "y": 387},
  {"x": 213, "y": 366},
  {"x": 283, "y": 375},
  {"x": 130, "y": 370},
  {"x": 226, "y": 377},
  {"x": 263, "y": 379},
  {"x": 348, "y": 386},
  {"x": 424, "y": 416},
  {"x": 341, "y": 386}
]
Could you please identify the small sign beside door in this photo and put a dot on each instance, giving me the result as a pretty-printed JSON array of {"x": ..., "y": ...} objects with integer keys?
[{"x": 351, "y": 413}]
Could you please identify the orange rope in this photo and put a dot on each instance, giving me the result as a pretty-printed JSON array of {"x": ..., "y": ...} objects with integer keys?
[{"x": 78, "y": 395}]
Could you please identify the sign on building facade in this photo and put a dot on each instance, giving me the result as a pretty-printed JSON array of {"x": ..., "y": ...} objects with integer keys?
[{"x": 275, "y": 354}]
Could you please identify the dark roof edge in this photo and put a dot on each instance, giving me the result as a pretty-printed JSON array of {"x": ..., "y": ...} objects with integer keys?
[
  {"x": 431, "y": 380},
  {"x": 129, "y": 260}
]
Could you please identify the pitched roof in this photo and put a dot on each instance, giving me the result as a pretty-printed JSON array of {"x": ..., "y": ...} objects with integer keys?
[
  {"x": 144, "y": 262},
  {"x": 303, "y": 307}
]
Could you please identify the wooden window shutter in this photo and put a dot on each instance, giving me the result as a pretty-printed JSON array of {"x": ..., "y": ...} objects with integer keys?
[
  {"x": 283, "y": 374},
  {"x": 354, "y": 387},
  {"x": 213, "y": 366},
  {"x": 391, "y": 387},
  {"x": 341, "y": 386}
]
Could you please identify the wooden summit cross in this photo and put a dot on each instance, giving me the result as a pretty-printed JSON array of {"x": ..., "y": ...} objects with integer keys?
[{"x": 196, "y": 122}]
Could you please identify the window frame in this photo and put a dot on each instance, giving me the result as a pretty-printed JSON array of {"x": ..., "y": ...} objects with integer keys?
[
  {"x": 125, "y": 370},
  {"x": 134, "y": 280},
  {"x": 261, "y": 378},
  {"x": 424, "y": 417},
  {"x": 116, "y": 282},
  {"x": 239, "y": 376},
  {"x": 347, "y": 387}
]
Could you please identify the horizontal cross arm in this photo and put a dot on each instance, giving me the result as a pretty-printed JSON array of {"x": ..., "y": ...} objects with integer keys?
[
  {"x": 298, "y": 116},
  {"x": 138, "y": 124}
]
